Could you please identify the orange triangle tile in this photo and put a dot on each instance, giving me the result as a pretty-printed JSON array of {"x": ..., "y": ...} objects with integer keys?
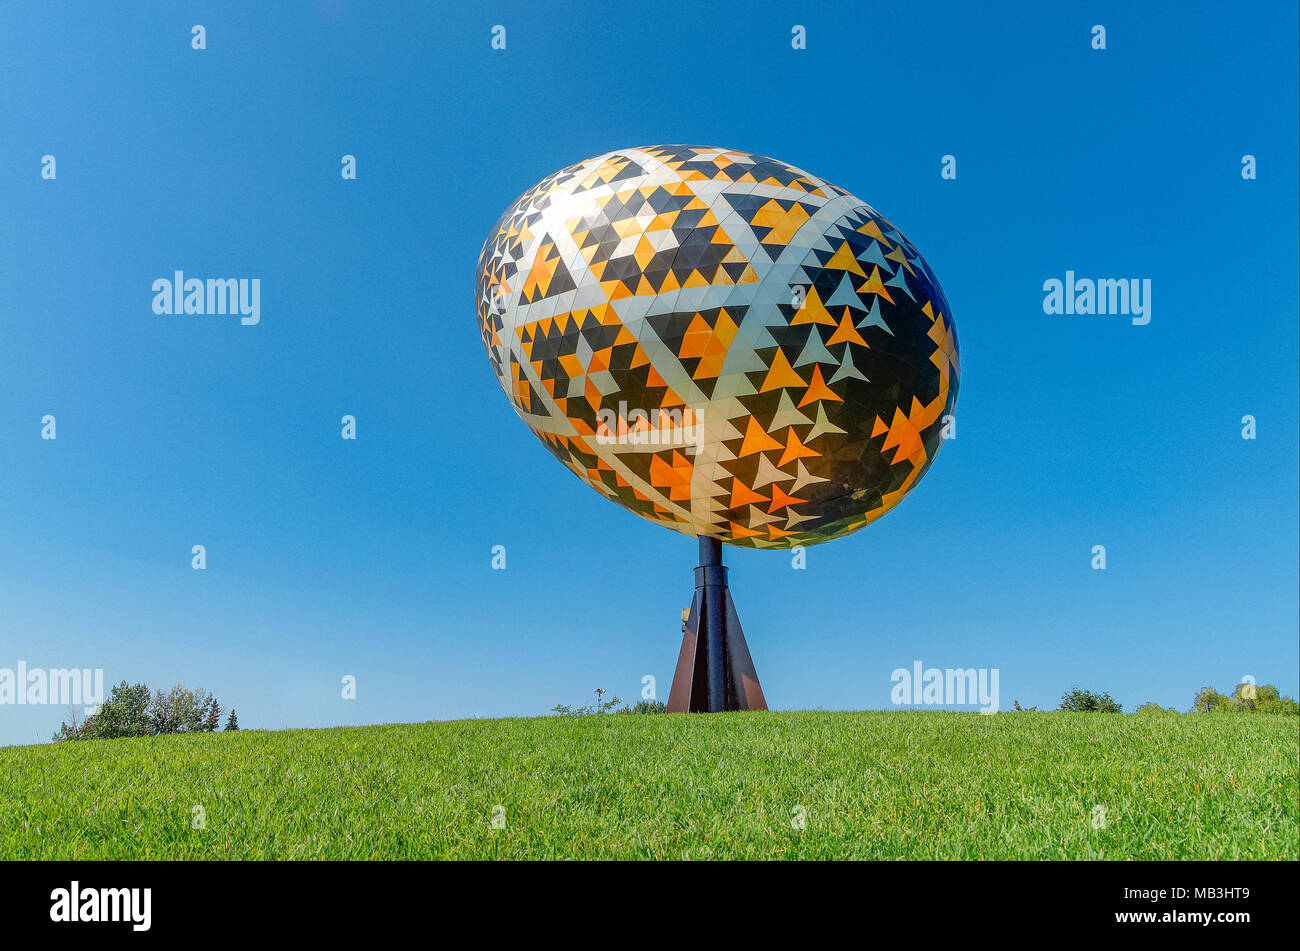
[
  {"x": 756, "y": 439},
  {"x": 781, "y": 374},
  {"x": 818, "y": 390},
  {"x": 794, "y": 449},
  {"x": 846, "y": 332},
  {"x": 742, "y": 494},
  {"x": 780, "y": 500}
]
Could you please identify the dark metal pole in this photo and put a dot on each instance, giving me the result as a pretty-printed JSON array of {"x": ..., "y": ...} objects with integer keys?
[
  {"x": 715, "y": 672},
  {"x": 715, "y": 587}
]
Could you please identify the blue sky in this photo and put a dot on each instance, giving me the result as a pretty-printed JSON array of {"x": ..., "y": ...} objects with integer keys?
[{"x": 372, "y": 558}]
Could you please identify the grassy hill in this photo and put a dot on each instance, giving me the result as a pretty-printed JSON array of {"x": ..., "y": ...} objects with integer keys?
[{"x": 871, "y": 786}]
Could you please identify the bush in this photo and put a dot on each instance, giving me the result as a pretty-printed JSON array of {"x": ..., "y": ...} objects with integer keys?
[
  {"x": 124, "y": 713},
  {"x": 1207, "y": 700},
  {"x": 1264, "y": 699},
  {"x": 1076, "y": 700},
  {"x": 647, "y": 706},
  {"x": 1279, "y": 706},
  {"x": 591, "y": 709},
  {"x": 608, "y": 706},
  {"x": 131, "y": 711},
  {"x": 180, "y": 710},
  {"x": 1149, "y": 707}
]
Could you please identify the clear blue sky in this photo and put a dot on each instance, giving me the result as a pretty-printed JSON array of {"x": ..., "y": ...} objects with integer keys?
[{"x": 372, "y": 557}]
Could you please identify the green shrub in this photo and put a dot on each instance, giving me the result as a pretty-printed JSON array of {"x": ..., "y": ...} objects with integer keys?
[
  {"x": 591, "y": 709},
  {"x": 1076, "y": 700},
  {"x": 1245, "y": 698},
  {"x": 131, "y": 711},
  {"x": 1150, "y": 707},
  {"x": 647, "y": 706}
]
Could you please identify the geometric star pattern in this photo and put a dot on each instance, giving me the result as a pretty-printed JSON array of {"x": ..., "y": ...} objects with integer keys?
[{"x": 719, "y": 342}]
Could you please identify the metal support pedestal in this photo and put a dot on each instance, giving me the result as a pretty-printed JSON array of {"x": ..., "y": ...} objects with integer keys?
[{"x": 714, "y": 670}]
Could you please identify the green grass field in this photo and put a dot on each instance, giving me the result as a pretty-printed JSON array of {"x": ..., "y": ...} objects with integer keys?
[{"x": 912, "y": 785}]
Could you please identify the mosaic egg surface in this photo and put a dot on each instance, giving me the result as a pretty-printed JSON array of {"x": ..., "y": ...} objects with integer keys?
[{"x": 719, "y": 342}]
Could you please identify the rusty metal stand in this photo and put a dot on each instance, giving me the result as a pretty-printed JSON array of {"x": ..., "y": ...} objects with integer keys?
[{"x": 714, "y": 670}]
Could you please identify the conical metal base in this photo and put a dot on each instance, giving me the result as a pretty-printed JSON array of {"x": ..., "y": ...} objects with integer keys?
[{"x": 714, "y": 670}]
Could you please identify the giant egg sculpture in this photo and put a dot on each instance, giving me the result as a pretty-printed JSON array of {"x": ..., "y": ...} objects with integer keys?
[{"x": 721, "y": 343}]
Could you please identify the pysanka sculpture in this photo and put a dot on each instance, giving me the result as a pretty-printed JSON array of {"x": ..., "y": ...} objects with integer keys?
[{"x": 727, "y": 346}]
